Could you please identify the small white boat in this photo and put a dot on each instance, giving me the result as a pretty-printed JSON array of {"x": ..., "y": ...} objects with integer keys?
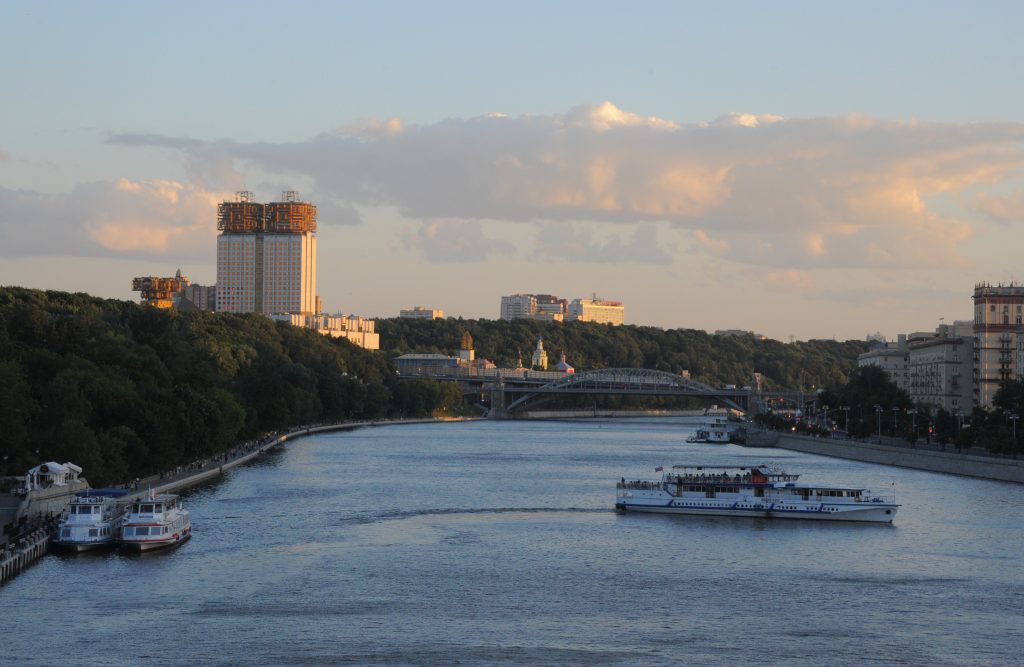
[
  {"x": 155, "y": 522},
  {"x": 716, "y": 431},
  {"x": 91, "y": 520},
  {"x": 761, "y": 491}
]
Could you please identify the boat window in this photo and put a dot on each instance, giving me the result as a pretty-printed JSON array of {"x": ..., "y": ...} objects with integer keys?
[
  {"x": 96, "y": 510},
  {"x": 158, "y": 508},
  {"x": 65, "y": 532},
  {"x": 147, "y": 509},
  {"x": 93, "y": 532}
]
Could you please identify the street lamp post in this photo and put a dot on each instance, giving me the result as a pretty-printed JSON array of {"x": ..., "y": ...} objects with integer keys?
[
  {"x": 846, "y": 422},
  {"x": 895, "y": 421},
  {"x": 878, "y": 419},
  {"x": 1014, "y": 417}
]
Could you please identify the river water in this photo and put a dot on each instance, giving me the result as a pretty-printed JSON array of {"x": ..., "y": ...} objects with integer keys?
[{"x": 497, "y": 543}]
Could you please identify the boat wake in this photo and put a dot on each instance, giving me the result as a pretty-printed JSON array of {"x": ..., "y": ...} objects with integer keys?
[{"x": 401, "y": 515}]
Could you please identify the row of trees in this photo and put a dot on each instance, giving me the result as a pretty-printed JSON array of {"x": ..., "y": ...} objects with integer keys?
[
  {"x": 869, "y": 403},
  {"x": 125, "y": 390}
]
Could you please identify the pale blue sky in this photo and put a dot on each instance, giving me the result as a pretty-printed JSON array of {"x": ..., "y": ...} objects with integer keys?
[{"x": 97, "y": 94}]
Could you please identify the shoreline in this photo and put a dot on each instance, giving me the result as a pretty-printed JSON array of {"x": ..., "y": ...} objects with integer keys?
[
  {"x": 164, "y": 484},
  {"x": 950, "y": 463}
]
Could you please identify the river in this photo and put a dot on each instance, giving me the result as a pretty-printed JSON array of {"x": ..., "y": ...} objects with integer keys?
[{"x": 497, "y": 543}]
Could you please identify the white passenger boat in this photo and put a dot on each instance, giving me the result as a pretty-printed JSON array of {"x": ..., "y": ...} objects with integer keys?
[
  {"x": 716, "y": 431},
  {"x": 91, "y": 520},
  {"x": 154, "y": 522},
  {"x": 762, "y": 491}
]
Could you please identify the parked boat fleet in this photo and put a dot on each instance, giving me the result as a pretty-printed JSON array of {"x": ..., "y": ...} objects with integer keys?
[{"x": 94, "y": 520}]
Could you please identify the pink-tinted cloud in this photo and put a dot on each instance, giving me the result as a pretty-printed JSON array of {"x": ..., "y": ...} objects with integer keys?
[
  {"x": 158, "y": 218},
  {"x": 849, "y": 191}
]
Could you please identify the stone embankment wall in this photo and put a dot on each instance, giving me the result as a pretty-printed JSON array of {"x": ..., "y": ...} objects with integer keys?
[
  {"x": 1005, "y": 470},
  {"x": 607, "y": 414},
  {"x": 17, "y": 556}
]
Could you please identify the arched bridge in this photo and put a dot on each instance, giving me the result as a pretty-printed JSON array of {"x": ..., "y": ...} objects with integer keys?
[{"x": 508, "y": 394}]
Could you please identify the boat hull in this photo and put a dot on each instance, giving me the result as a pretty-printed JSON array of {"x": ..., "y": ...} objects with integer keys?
[
  {"x": 154, "y": 545},
  {"x": 871, "y": 513},
  {"x": 82, "y": 546}
]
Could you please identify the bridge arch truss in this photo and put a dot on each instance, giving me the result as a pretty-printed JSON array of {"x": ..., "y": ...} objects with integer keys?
[{"x": 630, "y": 381}]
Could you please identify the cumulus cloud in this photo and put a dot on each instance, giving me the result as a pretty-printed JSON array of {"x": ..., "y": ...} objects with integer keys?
[
  {"x": 105, "y": 219},
  {"x": 848, "y": 191},
  {"x": 442, "y": 241},
  {"x": 580, "y": 244}
]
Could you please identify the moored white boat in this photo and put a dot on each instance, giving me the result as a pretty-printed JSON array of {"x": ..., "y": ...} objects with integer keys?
[
  {"x": 91, "y": 520},
  {"x": 715, "y": 431},
  {"x": 155, "y": 522},
  {"x": 760, "y": 491}
]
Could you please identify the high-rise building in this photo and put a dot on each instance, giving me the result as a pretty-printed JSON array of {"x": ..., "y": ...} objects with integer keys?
[
  {"x": 998, "y": 338},
  {"x": 597, "y": 310},
  {"x": 266, "y": 256}
]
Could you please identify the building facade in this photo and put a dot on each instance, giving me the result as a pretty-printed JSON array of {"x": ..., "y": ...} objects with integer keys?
[
  {"x": 892, "y": 358},
  {"x": 940, "y": 369},
  {"x": 266, "y": 256},
  {"x": 597, "y": 310},
  {"x": 357, "y": 330},
  {"x": 998, "y": 333},
  {"x": 421, "y": 313},
  {"x": 517, "y": 306},
  {"x": 203, "y": 297}
]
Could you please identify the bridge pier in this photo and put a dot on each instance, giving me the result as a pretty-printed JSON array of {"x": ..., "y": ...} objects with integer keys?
[{"x": 498, "y": 400}]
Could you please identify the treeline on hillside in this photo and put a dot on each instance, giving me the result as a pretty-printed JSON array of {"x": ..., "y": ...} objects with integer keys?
[
  {"x": 125, "y": 390},
  {"x": 714, "y": 360}
]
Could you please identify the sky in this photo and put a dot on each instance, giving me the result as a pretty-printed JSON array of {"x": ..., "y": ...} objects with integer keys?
[{"x": 802, "y": 170}]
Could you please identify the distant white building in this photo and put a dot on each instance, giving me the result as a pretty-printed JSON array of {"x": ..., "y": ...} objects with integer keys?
[
  {"x": 940, "y": 367},
  {"x": 597, "y": 310},
  {"x": 516, "y": 306},
  {"x": 892, "y": 358},
  {"x": 421, "y": 313},
  {"x": 355, "y": 329}
]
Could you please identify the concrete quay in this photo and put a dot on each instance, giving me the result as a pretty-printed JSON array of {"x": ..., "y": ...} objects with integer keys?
[
  {"x": 19, "y": 555},
  {"x": 952, "y": 463}
]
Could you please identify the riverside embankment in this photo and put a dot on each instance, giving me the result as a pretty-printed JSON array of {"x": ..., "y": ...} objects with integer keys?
[
  {"x": 201, "y": 471},
  {"x": 954, "y": 463},
  {"x": 27, "y": 549}
]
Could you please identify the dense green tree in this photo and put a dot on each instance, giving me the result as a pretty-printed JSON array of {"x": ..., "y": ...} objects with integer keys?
[
  {"x": 125, "y": 390},
  {"x": 715, "y": 360}
]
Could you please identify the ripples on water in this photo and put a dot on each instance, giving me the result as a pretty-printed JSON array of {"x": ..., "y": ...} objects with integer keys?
[{"x": 486, "y": 543}]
